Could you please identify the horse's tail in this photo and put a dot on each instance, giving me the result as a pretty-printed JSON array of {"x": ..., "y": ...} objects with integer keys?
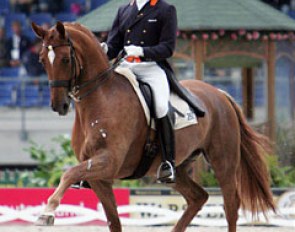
[{"x": 253, "y": 179}]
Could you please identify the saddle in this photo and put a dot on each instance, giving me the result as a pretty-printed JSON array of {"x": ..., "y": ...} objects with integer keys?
[{"x": 151, "y": 148}]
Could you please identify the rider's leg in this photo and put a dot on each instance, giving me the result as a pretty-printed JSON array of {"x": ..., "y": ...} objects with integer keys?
[{"x": 156, "y": 77}]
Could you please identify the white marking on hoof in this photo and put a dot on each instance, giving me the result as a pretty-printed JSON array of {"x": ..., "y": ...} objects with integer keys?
[{"x": 46, "y": 219}]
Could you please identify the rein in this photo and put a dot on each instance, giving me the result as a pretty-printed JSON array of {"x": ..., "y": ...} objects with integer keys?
[{"x": 72, "y": 84}]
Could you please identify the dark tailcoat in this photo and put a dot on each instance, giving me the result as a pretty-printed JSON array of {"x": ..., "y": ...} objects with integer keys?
[
  {"x": 23, "y": 46},
  {"x": 154, "y": 28}
]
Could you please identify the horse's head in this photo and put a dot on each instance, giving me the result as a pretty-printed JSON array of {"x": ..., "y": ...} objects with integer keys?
[{"x": 60, "y": 62}]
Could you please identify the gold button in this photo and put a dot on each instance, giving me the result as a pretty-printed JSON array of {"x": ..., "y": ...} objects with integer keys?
[
  {"x": 141, "y": 42},
  {"x": 128, "y": 41},
  {"x": 144, "y": 31}
]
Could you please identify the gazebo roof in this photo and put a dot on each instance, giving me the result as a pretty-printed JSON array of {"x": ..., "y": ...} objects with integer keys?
[{"x": 195, "y": 15}]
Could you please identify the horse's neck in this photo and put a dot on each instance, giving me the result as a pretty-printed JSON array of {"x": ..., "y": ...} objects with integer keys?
[
  {"x": 90, "y": 56},
  {"x": 104, "y": 103}
]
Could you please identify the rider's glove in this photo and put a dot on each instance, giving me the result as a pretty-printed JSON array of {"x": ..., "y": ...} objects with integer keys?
[
  {"x": 104, "y": 47},
  {"x": 134, "y": 51}
]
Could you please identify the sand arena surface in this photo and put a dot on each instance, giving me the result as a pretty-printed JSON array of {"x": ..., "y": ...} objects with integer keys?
[{"x": 137, "y": 229}]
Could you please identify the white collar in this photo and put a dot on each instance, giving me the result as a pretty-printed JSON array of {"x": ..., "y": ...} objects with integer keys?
[{"x": 140, "y": 3}]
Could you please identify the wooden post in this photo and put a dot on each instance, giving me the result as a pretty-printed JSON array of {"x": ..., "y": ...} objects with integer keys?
[
  {"x": 271, "y": 90},
  {"x": 199, "y": 59},
  {"x": 199, "y": 72},
  {"x": 248, "y": 92}
]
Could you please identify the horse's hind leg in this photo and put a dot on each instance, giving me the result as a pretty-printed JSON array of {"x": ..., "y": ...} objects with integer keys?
[
  {"x": 194, "y": 195},
  {"x": 225, "y": 166},
  {"x": 104, "y": 192}
]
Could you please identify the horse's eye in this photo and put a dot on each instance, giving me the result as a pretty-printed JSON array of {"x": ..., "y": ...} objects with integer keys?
[{"x": 65, "y": 60}]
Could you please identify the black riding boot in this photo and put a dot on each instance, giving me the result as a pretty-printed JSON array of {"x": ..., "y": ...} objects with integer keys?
[{"x": 166, "y": 171}]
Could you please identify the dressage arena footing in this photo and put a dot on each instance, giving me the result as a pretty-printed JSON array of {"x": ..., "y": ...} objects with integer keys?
[{"x": 139, "y": 229}]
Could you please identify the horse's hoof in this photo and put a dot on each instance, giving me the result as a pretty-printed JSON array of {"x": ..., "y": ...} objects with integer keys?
[{"x": 45, "y": 220}]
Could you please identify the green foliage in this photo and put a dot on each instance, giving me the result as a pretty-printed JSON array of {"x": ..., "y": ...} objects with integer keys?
[
  {"x": 285, "y": 142},
  {"x": 280, "y": 176},
  {"x": 208, "y": 179},
  {"x": 51, "y": 163}
]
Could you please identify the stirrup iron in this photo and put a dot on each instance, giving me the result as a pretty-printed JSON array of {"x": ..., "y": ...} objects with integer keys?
[{"x": 166, "y": 179}]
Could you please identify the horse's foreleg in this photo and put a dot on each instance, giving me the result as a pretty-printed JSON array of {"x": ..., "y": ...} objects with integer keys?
[
  {"x": 104, "y": 192},
  {"x": 194, "y": 195},
  {"x": 93, "y": 169}
]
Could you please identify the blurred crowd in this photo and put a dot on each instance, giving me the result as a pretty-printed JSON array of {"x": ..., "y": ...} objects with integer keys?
[
  {"x": 283, "y": 5},
  {"x": 33, "y": 6},
  {"x": 19, "y": 48}
]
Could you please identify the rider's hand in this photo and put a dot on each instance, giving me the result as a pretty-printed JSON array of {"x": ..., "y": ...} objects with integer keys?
[
  {"x": 134, "y": 51},
  {"x": 104, "y": 47}
]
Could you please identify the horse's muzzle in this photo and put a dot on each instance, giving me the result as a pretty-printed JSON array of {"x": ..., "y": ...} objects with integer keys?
[{"x": 61, "y": 109}]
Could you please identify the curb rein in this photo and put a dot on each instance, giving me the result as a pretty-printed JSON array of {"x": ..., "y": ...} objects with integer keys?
[{"x": 72, "y": 84}]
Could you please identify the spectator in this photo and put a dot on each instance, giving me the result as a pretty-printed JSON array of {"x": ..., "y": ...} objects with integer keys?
[
  {"x": 76, "y": 9},
  {"x": 23, "y": 6},
  {"x": 52, "y": 6},
  {"x": 31, "y": 60},
  {"x": 4, "y": 57},
  {"x": 17, "y": 44}
]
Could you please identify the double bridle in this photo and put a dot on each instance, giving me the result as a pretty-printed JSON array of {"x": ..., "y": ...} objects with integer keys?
[{"x": 72, "y": 84}]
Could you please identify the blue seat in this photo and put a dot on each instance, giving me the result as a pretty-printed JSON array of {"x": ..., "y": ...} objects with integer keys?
[
  {"x": 9, "y": 18},
  {"x": 30, "y": 34},
  {"x": 41, "y": 18},
  {"x": 6, "y": 95},
  {"x": 30, "y": 97},
  {"x": 45, "y": 96},
  {"x": 65, "y": 17},
  {"x": 97, "y": 3},
  {"x": 291, "y": 13},
  {"x": 4, "y": 9},
  {"x": 68, "y": 3},
  {"x": 9, "y": 72}
]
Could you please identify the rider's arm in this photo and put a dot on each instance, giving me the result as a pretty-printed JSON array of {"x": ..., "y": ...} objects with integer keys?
[
  {"x": 115, "y": 42},
  {"x": 167, "y": 41}
]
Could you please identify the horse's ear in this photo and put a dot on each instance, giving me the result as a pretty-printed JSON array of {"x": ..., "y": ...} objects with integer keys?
[
  {"x": 61, "y": 29},
  {"x": 39, "y": 31}
]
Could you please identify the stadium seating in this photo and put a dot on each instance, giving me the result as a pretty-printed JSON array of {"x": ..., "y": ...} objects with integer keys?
[
  {"x": 29, "y": 96},
  {"x": 6, "y": 96},
  {"x": 291, "y": 13},
  {"x": 9, "y": 72},
  {"x": 45, "y": 101},
  {"x": 41, "y": 18},
  {"x": 97, "y": 3},
  {"x": 30, "y": 34},
  {"x": 65, "y": 17},
  {"x": 4, "y": 9}
]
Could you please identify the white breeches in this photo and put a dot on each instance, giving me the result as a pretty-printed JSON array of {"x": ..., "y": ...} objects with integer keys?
[{"x": 152, "y": 74}]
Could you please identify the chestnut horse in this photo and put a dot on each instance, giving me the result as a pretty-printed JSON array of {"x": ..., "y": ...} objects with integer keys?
[{"x": 110, "y": 130}]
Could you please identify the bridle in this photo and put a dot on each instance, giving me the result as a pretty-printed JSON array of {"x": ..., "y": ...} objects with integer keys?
[{"x": 72, "y": 84}]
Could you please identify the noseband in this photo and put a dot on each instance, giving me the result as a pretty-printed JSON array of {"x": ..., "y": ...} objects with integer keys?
[{"x": 72, "y": 85}]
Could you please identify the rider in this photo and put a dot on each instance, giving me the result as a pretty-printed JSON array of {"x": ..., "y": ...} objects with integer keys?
[{"x": 146, "y": 30}]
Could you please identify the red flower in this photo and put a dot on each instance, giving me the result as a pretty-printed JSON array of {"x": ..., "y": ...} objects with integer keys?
[
  {"x": 256, "y": 35},
  {"x": 214, "y": 36},
  {"x": 205, "y": 36},
  {"x": 242, "y": 32},
  {"x": 234, "y": 36}
]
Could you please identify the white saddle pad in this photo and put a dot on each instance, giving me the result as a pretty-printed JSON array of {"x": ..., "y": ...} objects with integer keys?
[{"x": 186, "y": 117}]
